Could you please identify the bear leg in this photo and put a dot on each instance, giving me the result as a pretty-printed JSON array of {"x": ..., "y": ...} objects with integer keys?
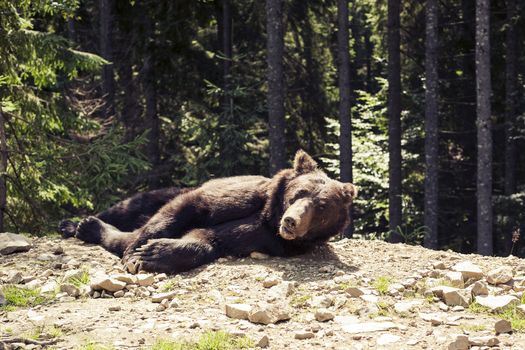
[
  {"x": 173, "y": 255},
  {"x": 95, "y": 231}
]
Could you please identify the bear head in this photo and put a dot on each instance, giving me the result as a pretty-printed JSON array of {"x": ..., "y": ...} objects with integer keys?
[{"x": 308, "y": 205}]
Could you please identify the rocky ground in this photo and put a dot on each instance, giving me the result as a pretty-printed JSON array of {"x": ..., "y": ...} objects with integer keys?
[{"x": 352, "y": 294}]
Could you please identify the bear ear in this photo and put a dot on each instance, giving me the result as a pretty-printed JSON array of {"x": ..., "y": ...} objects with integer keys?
[
  {"x": 303, "y": 163},
  {"x": 349, "y": 190}
]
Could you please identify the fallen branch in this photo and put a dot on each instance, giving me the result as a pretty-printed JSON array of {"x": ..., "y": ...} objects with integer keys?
[{"x": 11, "y": 340}]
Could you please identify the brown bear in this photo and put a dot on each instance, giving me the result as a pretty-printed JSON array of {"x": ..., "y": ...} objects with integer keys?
[{"x": 281, "y": 216}]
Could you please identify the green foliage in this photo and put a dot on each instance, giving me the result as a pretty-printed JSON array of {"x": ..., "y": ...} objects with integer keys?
[
  {"x": 381, "y": 284},
  {"x": 21, "y": 297},
  {"x": 208, "y": 341}
]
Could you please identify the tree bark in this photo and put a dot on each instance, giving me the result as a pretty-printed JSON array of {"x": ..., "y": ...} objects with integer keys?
[
  {"x": 345, "y": 115},
  {"x": 431, "y": 126},
  {"x": 3, "y": 169},
  {"x": 484, "y": 129},
  {"x": 106, "y": 51},
  {"x": 394, "y": 120},
  {"x": 511, "y": 91},
  {"x": 150, "y": 92},
  {"x": 227, "y": 52},
  {"x": 275, "y": 49}
]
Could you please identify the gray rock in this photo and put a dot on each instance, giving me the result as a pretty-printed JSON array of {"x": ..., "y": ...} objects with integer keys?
[
  {"x": 119, "y": 294},
  {"x": 73, "y": 274},
  {"x": 480, "y": 288},
  {"x": 2, "y": 299},
  {"x": 487, "y": 340},
  {"x": 14, "y": 277},
  {"x": 145, "y": 279},
  {"x": 238, "y": 311},
  {"x": 500, "y": 275},
  {"x": 271, "y": 281},
  {"x": 459, "y": 297},
  {"x": 455, "y": 278},
  {"x": 259, "y": 256},
  {"x": 469, "y": 270},
  {"x": 303, "y": 335},
  {"x": 387, "y": 338},
  {"x": 12, "y": 243},
  {"x": 460, "y": 343},
  {"x": 503, "y": 326},
  {"x": 496, "y": 302},
  {"x": 125, "y": 277},
  {"x": 70, "y": 289},
  {"x": 269, "y": 313},
  {"x": 367, "y": 327},
  {"x": 323, "y": 315},
  {"x": 263, "y": 342},
  {"x": 159, "y": 297},
  {"x": 323, "y": 301},
  {"x": 407, "y": 306},
  {"x": 108, "y": 284}
]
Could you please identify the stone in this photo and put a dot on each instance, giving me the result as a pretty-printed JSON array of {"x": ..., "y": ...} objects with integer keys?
[
  {"x": 73, "y": 274},
  {"x": 407, "y": 306},
  {"x": 469, "y": 270},
  {"x": 271, "y": 281},
  {"x": 455, "y": 278},
  {"x": 500, "y": 275},
  {"x": 238, "y": 311},
  {"x": 479, "y": 288},
  {"x": 460, "y": 343},
  {"x": 2, "y": 299},
  {"x": 502, "y": 326},
  {"x": 323, "y": 315},
  {"x": 108, "y": 284},
  {"x": 388, "y": 338},
  {"x": 263, "y": 342},
  {"x": 14, "y": 277},
  {"x": 119, "y": 294},
  {"x": 496, "y": 302},
  {"x": 439, "y": 265},
  {"x": 487, "y": 340},
  {"x": 57, "y": 250},
  {"x": 281, "y": 291},
  {"x": 459, "y": 297},
  {"x": 269, "y": 313},
  {"x": 131, "y": 267},
  {"x": 125, "y": 277},
  {"x": 303, "y": 335},
  {"x": 370, "y": 298},
  {"x": 367, "y": 327},
  {"x": 174, "y": 303},
  {"x": 259, "y": 256},
  {"x": 356, "y": 292},
  {"x": 114, "y": 308},
  {"x": 322, "y": 301},
  {"x": 159, "y": 297},
  {"x": 144, "y": 279},
  {"x": 70, "y": 289},
  {"x": 434, "y": 318},
  {"x": 12, "y": 243}
]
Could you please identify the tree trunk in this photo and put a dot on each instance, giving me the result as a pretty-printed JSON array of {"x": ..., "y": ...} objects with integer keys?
[
  {"x": 394, "y": 120},
  {"x": 345, "y": 116},
  {"x": 511, "y": 91},
  {"x": 484, "y": 132},
  {"x": 431, "y": 126},
  {"x": 150, "y": 92},
  {"x": 227, "y": 52},
  {"x": 106, "y": 51},
  {"x": 275, "y": 49},
  {"x": 3, "y": 169}
]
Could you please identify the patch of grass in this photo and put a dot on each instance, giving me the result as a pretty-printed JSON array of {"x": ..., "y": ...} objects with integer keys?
[
  {"x": 91, "y": 345},
  {"x": 208, "y": 341},
  {"x": 42, "y": 332},
  {"x": 473, "y": 327},
  {"x": 80, "y": 281},
  {"x": 385, "y": 309},
  {"x": 168, "y": 286},
  {"x": 381, "y": 284},
  {"x": 20, "y": 297},
  {"x": 300, "y": 300},
  {"x": 510, "y": 313}
]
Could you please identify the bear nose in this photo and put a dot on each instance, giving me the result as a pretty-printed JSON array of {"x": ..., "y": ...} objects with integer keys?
[{"x": 290, "y": 222}]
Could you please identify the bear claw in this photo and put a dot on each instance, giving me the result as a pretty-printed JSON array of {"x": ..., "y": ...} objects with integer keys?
[{"x": 67, "y": 228}]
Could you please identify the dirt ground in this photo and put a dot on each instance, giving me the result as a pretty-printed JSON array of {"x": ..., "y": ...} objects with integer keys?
[{"x": 388, "y": 275}]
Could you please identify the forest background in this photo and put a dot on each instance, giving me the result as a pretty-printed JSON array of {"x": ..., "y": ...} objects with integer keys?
[{"x": 419, "y": 103}]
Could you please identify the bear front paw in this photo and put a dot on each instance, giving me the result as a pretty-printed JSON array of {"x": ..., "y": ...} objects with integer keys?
[{"x": 67, "y": 228}]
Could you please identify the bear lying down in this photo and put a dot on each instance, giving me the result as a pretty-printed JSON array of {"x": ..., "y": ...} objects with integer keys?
[{"x": 175, "y": 230}]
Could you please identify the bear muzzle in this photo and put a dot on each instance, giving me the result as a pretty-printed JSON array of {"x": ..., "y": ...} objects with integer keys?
[{"x": 296, "y": 220}]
